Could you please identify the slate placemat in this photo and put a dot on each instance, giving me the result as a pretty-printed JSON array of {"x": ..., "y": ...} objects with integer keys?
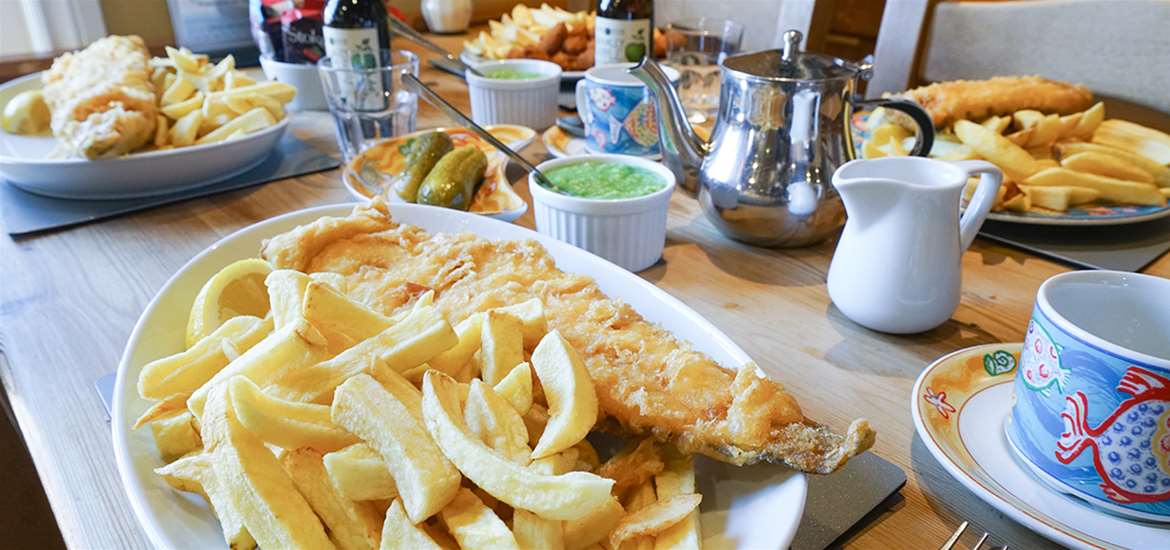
[
  {"x": 1128, "y": 247},
  {"x": 25, "y": 212}
]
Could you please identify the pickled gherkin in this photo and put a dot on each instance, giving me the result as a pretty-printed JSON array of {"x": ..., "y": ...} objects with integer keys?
[
  {"x": 422, "y": 155},
  {"x": 453, "y": 181}
]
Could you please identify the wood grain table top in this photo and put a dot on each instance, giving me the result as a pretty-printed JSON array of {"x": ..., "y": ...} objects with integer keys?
[{"x": 69, "y": 299}]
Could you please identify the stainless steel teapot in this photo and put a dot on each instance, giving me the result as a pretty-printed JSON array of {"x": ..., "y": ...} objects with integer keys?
[{"x": 782, "y": 129}]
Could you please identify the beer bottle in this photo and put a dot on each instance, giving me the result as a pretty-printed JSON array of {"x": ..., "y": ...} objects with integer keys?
[
  {"x": 624, "y": 30},
  {"x": 356, "y": 30}
]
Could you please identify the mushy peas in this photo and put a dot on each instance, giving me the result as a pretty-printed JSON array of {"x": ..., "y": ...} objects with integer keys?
[
  {"x": 592, "y": 179},
  {"x": 512, "y": 74}
]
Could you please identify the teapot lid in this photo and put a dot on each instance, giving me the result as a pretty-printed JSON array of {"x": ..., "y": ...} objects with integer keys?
[{"x": 790, "y": 63}]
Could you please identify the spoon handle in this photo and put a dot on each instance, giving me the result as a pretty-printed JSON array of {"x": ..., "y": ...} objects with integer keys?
[
  {"x": 422, "y": 89},
  {"x": 404, "y": 30}
]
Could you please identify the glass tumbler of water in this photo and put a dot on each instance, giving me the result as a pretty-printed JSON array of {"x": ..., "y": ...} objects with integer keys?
[
  {"x": 368, "y": 100},
  {"x": 696, "y": 47}
]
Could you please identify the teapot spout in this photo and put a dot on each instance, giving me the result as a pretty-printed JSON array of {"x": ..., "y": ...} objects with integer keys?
[{"x": 681, "y": 146}]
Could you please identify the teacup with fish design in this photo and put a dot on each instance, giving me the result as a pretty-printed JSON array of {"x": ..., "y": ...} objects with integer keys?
[
  {"x": 1091, "y": 414},
  {"x": 618, "y": 111}
]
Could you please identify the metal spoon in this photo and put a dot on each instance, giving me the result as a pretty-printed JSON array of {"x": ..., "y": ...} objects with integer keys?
[
  {"x": 404, "y": 30},
  {"x": 422, "y": 89}
]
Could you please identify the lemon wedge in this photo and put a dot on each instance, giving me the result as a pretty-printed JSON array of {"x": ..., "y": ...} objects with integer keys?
[{"x": 237, "y": 289}]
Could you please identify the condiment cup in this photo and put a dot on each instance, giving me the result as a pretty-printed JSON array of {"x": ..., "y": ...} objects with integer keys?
[
  {"x": 310, "y": 94},
  {"x": 628, "y": 232},
  {"x": 1091, "y": 414},
  {"x": 531, "y": 102}
]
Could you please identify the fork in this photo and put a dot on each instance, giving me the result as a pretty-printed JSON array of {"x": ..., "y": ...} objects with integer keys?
[{"x": 950, "y": 543}]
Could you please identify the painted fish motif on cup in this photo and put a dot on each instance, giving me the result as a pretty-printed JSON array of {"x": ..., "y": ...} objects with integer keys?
[
  {"x": 1040, "y": 362},
  {"x": 1131, "y": 447}
]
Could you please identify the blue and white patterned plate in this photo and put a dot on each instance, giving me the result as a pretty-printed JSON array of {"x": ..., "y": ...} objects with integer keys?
[{"x": 1087, "y": 214}]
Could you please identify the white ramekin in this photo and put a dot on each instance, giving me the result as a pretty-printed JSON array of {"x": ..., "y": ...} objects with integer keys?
[
  {"x": 310, "y": 94},
  {"x": 531, "y": 103},
  {"x": 628, "y": 232}
]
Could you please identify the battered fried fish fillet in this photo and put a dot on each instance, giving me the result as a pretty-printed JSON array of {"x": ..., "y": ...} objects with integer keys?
[
  {"x": 647, "y": 381},
  {"x": 101, "y": 98},
  {"x": 1003, "y": 95}
]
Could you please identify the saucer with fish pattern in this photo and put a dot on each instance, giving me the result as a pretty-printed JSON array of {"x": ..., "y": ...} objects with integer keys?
[{"x": 959, "y": 404}]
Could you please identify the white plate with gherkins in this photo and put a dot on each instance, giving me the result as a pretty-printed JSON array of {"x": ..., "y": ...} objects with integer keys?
[{"x": 448, "y": 167}]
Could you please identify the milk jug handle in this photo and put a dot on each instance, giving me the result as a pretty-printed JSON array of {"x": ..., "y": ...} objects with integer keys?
[
  {"x": 924, "y": 140},
  {"x": 985, "y": 194}
]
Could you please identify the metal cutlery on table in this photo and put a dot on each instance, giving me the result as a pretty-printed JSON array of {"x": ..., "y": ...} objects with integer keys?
[
  {"x": 402, "y": 29},
  {"x": 950, "y": 543}
]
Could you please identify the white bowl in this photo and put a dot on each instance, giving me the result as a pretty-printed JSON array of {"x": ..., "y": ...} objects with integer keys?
[
  {"x": 628, "y": 232},
  {"x": 531, "y": 103},
  {"x": 310, "y": 94}
]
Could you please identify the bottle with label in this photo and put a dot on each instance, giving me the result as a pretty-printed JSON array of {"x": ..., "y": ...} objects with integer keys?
[
  {"x": 624, "y": 31},
  {"x": 355, "y": 33}
]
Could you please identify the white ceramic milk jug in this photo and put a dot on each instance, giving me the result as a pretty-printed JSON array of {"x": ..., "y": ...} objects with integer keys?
[{"x": 897, "y": 265}]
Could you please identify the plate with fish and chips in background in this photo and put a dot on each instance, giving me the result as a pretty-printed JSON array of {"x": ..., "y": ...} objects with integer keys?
[
  {"x": 448, "y": 167},
  {"x": 163, "y": 125},
  {"x": 1065, "y": 162}
]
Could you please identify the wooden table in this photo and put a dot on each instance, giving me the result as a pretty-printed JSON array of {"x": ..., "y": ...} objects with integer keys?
[{"x": 68, "y": 300}]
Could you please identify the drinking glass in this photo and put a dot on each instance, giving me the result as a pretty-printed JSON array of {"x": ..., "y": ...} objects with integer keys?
[
  {"x": 369, "y": 104},
  {"x": 696, "y": 47}
]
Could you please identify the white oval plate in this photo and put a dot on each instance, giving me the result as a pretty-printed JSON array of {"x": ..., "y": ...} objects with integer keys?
[
  {"x": 752, "y": 507},
  {"x": 959, "y": 404},
  {"x": 25, "y": 162}
]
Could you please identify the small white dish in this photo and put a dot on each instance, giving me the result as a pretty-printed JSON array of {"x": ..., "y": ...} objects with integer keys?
[
  {"x": 27, "y": 163},
  {"x": 959, "y": 405},
  {"x": 528, "y": 102},
  {"x": 474, "y": 60},
  {"x": 750, "y": 507},
  {"x": 310, "y": 94},
  {"x": 628, "y": 232}
]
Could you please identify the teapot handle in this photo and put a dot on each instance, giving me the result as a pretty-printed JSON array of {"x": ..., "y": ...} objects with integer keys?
[{"x": 925, "y": 138}]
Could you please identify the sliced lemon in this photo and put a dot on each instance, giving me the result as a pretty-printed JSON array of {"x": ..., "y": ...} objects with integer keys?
[{"x": 237, "y": 289}]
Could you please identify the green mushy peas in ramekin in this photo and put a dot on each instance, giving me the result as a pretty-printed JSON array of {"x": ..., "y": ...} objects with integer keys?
[
  {"x": 512, "y": 74},
  {"x": 593, "y": 179}
]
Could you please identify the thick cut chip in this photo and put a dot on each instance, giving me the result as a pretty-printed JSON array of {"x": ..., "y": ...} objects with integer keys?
[
  {"x": 426, "y": 480},
  {"x": 572, "y": 401},
  {"x": 237, "y": 289},
  {"x": 595, "y": 526},
  {"x": 338, "y": 318},
  {"x": 274, "y": 512},
  {"x": 185, "y": 371},
  {"x": 286, "y": 424},
  {"x": 351, "y": 525},
  {"x": 474, "y": 525},
  {"x": 502, "y": 347},
  {"x": 398, "y": 533},
  {"x": 469, "y": 333},
  {"x": 1134, "y": 138},
  {"x": 678, "y": 479},
  {"x": 492, "y": 419},
  {"x": 560, "y": 463},
  {"x": 566, "y": 497},
  {"x": 1160, "y": 173},
  {"x": 1106, "y": 165},
  {"x": 282, "y": 351},
  {"x": 655, "y": 518},
  {"x": 1114, "y": 190},
  {"x": 535, "y": 420},
  {"x": 533, "y": 323},
  {"x": 404, "y": 345},
  {"x": 165, "y": 407},
  {"x": 1015, "y": 162},
  {"x": 359, "y": 473},
  {"x": 533, "y": 532},
  {"x": 516, "y": 388},
  {"x": 187, "y": 474},
  {"x": 176, "y": 435},
  {"x": 286, "y": 294}
]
